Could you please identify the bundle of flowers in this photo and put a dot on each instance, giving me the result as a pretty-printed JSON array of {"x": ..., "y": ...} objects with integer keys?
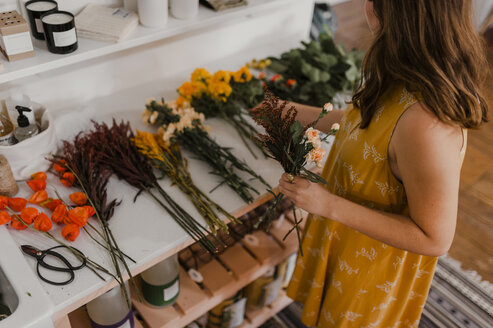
[
  {"x": 169, "y": 160},
  {"x": 222, "y": 95},
  {"x": 290, "y": 143},
  {"x": 82, "y": 159},
  {"x": 184, "y": 126},
  {"x": 121, "y": 156},
  {"x": 74, "y": 217}
]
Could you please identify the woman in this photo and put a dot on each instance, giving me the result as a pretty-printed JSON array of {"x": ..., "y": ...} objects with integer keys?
[{"x": 372, "y": 239}]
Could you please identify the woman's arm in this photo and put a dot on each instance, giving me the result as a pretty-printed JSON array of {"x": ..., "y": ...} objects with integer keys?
[
  {"x": 427, "y": 154},
  {"x": 307, "y": 114}
]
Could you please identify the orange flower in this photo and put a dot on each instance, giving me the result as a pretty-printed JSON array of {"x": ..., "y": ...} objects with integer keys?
[
  {"x": 291, "y": 82},
  {"x": 78, "y": 198},
  {"x": 71, "y": 232},
  {"x": 68, "y": 179},
  {"x": 276, "y": 77},
  {"x": 28, "y": 214},
  {"x": 59, "y": 214},
  {"x": 39, "y": 175},
  {"x": 90, "y": 210},
  {"x": 42, "y": 223},
  {"x": 4, "y": 201},
  {"x": 38, "y": 197},
  {"x": 51, "y": 203},
  {"x": 261, "y": 76},
  {"x": 17, "y": 203},
  {"x": 17, "y": 225},
  {"x": 78, "y": 216},
  {"x": 37, "y": 184},
  {"x": 60, "y": 166},
  {"x": 4, "y": 217}
]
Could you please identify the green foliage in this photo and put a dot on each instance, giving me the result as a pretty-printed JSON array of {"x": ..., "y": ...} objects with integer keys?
[{"x": 320, "y": 68}]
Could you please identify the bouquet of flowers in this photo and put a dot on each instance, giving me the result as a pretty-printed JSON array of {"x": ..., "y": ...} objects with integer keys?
[
  {"x": 222, "y": 95},
  {"x": 169, "y": 160},
  {"x": 121, "y": 155},
  {"x": 183, "y": 125},
  {"x": 290, "y": 143}
]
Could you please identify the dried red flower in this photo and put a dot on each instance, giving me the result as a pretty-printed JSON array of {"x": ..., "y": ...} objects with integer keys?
[
  {"x": 39, "y": 175},
  {"x": 71, "y": 232},
  {"x": 90, "y": 210},
  {"x": 17, "y": 204},
  {"x": 60, "y": 166},
  {"x": 42, "y": 223},
  {"x": 37, "y": 184},
  {"x": 4, "y": 201},
  {"x": 59, "y": 214},
  {"x": 16, "y": 224},
  {"x": 78, "y": 216},
  {"x": 38, "y": 197},
  {"x": 51, "y": 203},
  {"x": 68, "y": 179},
  {"x": 4, "y": 217},
  {"x": 28, "y": 214},
  {"x": 78, "y": 198}
]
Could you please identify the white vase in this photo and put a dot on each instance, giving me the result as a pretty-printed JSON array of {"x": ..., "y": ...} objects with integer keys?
[
  {"x": 184, "y": 9},
  {"x": 153, "y": 13},
  {"x": 110, "y": 309}
]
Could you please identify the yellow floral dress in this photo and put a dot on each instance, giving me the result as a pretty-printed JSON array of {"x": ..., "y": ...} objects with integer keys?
[{"x": 345, "y": 278}]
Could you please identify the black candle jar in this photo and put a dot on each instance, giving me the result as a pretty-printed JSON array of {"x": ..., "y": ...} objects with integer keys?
[
  {"x": 35, "y": 9},
  {"x": 59, "y": 27}
]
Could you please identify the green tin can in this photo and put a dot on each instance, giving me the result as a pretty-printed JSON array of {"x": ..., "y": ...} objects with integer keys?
[{"x": 161, "y": 283}]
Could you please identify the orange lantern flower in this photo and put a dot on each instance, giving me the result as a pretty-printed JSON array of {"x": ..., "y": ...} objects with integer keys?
[
  {"x": 59, "y": 214},
  {"x": 78, "y": 216},
  {"x": 60, "y": 166},
  {"x": 90, "y": 210},
  {"x": 37, "y": 184},
  {"x": 261, "y": 76},
  {"x": 68, "y": 179},
  {"x": 71, "y": 232},
  {"x": 28, "y": 214},
  {"x": 42, "y": 223},
  {"x": 291, "y": 82},
  {"x": 4, "y": 201},
  {"x": 51, "y": 203},
  {"x": 17, "y": 204},
  {"x": 38, "y": 197},
  {"x": 78, "y": 198},
  {"x": 39, "y": 175},
  {"x": 4, "y": 217},
  {"x": 276, "y": 77},
  {"x": 17, "y": 225}
]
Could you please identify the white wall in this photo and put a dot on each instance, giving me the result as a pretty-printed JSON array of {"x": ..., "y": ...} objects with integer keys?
[{"x": 72, "y": 86}]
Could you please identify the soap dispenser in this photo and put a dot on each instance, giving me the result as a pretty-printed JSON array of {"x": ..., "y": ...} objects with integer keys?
[{"x": 24, "y": 129}]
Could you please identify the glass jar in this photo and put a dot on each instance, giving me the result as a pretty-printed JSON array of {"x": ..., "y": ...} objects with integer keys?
[{"x": 161, "y": 283}]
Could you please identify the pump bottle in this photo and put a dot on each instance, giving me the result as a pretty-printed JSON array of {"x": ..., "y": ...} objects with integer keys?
[{"x": 24, "y": 129}]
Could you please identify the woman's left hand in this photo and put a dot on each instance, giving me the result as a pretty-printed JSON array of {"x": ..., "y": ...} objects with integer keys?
[{"x": 310, "y": 196}]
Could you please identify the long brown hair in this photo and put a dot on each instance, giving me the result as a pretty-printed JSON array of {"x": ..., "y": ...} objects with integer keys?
[{"x": 431, "y": 47}]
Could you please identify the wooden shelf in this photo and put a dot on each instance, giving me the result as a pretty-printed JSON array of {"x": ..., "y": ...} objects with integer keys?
[
  {"x": 89, "y": 49},
  {"x": 243, "y": 263}
]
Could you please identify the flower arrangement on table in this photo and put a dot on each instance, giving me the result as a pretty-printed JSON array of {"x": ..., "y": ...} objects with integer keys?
[
  {"x": 74, "y": 217},
  {"x": 290, "y": 143},
  {"x": 121, "y": 155},
  {"x": 223, "y": 95},
  {"x": 184, "y": 126},
  {"x": 312, "y": 74}
]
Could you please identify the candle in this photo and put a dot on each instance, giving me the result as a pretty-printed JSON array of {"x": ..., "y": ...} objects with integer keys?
[
  {"x": 60, "y": 33},
  {"x": 35, "y": 9}
]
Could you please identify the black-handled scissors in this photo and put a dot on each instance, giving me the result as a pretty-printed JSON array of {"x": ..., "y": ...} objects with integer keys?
[{"x": 40, "y": 256}]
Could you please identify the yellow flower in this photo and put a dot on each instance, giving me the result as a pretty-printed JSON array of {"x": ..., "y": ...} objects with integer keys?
[
  {"x": 199, "y": 88},
  {"x": 201, "y": 74},
  {"x": 181, "y": 102},
  {"x": 243, "y": 75},
  {"x": 220, "y": 91},
  {"x": 186, "y": 90},
  {"x": 147, "y": 145},
  {"x": 221, "y": 76}
]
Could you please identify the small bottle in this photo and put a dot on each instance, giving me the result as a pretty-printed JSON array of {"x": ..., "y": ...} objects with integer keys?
[
  {"x": 24, "y": 129},
  {"x": 17, "y": 98},
  {"x": 6, "y": 131},
  {"x": 161, "y": 283}
]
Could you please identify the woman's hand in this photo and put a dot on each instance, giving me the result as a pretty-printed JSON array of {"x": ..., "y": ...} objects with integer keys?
[{"x": 310, "y": 196}]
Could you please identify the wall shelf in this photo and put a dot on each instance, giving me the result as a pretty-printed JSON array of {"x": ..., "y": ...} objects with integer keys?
[{"x": 45, "y": 61}]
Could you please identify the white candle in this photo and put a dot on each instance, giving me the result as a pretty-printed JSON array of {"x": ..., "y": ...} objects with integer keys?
[
  {"x": 41, "y": 6},
  {"x": 57, "y": 18}
]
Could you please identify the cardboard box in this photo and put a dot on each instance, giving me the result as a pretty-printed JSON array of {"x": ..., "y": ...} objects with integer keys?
[{"x": 15, "y": 38}]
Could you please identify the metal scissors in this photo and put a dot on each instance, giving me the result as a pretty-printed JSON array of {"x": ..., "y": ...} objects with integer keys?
[{"x": 40, "y": 256}]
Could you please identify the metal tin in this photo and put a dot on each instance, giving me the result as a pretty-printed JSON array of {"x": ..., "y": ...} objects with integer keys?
[
  {"x": 60, "y": 32},
  {"x": 35, "y": 9}
]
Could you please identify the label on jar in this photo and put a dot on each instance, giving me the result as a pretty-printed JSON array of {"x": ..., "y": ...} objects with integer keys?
[
  {"x": 39, "y": 25},
  {"x": 126, "y": 324},
  {"x": 162, "y": 295},
  {"x": 171, "y": 292},
  {"x": 64, "y": 39},
  {"x": 17, "y": 43},
  {"x": 234, "y": 314},
  {"x": 271, "y": 291}
]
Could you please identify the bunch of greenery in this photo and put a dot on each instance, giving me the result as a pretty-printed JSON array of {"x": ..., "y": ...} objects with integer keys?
[{"x": 320, "y": 69}]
